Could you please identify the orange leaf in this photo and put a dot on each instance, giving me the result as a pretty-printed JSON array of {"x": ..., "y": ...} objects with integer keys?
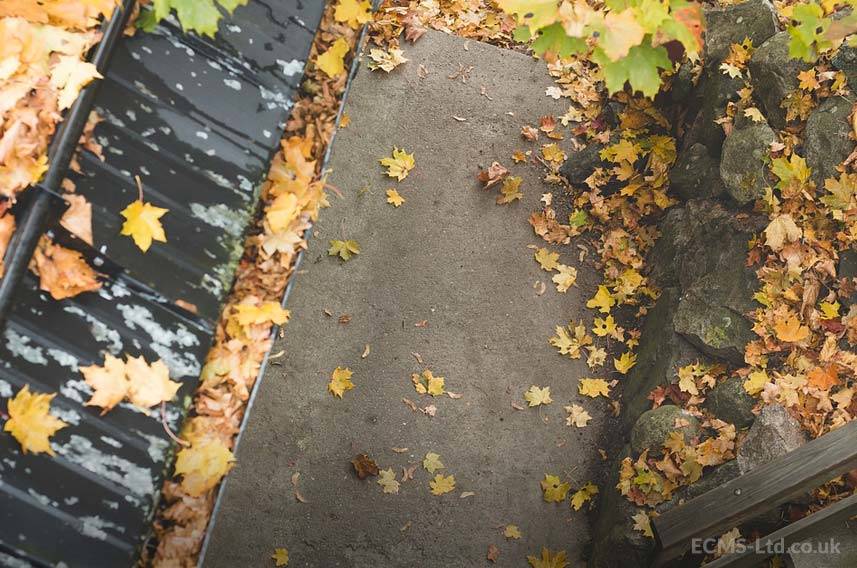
[
  {"x": 62, "y": 272},
  {"x": 824, "y": 377},
  {"x": 790, "y": 330}
]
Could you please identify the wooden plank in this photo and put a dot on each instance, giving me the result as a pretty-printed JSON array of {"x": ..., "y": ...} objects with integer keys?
[
  {"x": 761, "y": 490},
  {"x": 815, "y": 525}
]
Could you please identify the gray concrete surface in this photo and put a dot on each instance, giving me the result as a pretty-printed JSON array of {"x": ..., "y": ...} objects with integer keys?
[{"x": 450, "y": 256}]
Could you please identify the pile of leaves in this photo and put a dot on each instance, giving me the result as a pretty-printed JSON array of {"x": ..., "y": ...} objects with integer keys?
[{"x": 292, "y": 197}]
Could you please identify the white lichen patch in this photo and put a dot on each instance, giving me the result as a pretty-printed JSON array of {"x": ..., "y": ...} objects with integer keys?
[
  {"x": 291, "y": 68},
  {"x": 220, "y": 216},
  {"x": 19, "y": 346},
  {"x": 96, "y": 527},
  {"x": 100, "y": 331},
  {"x": 157, "y": 446},
  {"x": 131, "y": 476},
  {"x": 5, "y": 389},
  {"x": 67, "y": 415},
  {"x": 63, "y": 358}
]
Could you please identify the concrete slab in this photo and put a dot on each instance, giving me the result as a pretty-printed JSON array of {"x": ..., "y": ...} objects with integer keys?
[{"x": 450, "y": 256}]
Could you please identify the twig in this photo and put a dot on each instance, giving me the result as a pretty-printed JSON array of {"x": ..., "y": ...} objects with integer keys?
[
  {"x": 176, "y": 439},
  {"x": 139, "y": 188}
]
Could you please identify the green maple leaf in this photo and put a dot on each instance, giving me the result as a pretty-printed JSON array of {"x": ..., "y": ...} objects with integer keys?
[
  {"x": 201, "y": 16},
  {"x": 554, "y": 39},
  {"x": 808, "y": 36},
  {"x": 640, "y": 68}
]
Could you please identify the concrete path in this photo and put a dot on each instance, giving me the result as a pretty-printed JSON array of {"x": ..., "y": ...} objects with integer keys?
[{"x": 449, "y": 256}]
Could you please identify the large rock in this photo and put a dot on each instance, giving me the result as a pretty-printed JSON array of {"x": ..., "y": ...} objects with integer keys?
[
  {"x": 826, "y": 139},
  {"x": 845, "y": 60},
  {"x": 654, "y": 427},
  {"x": 581, "y": 163},
  {"x": 774, "y": 434},
  {"x": 729, "y": 401},
  {"x": 614, "y": 540},
  {"x": 743, "y": 166},
  {"x": 774, "y": 75},
  {"x": 660, "y": 352},
  {"x": 847, "y": 265},
  {"x": 696, "y": 174},
  {"x": 707, "y": 318},
  {"x": 754, "y": 19},
  {"x": 716, "y": 91}
]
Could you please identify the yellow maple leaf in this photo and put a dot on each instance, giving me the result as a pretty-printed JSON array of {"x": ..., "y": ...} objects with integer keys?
[
  {"x": 602, "y": 300},
  {"x": 790, "y": 330},
  {"x": 596, "y": 357},
  {"x": 353, "y": 12},
  {"x": 427, "y": 383},
  {"x": 565, "y": 278},
  {"x": 332, "y": 61},
  {"x": 807, "y": 80},
  {"x": 553, "y": 153},
  {"x": 393, "y": 198},
  {"x": 510, "y": 190},
  {"x": 149, "y": 385},
  {"x": 582, "y": 495},
  {"x": 284, "y": 209},
  {"x": 203, "y": 465},
  {"x": 280, "y": 557},
  {"x": 512, "y": 532},
  {"x": 755, "y": 382},
  {"x": 554, "y": 490},
  {"x": 343, "y": 249},
  {"x": 387, "y": 481},
  {"x": 593, "y": 387},
  {"x": 754, "y": 114},
  {"x": 829, "y": 310},
  {"x": 400, "y": 165},
  {"x": 30, "y": 421},
  {"x": 547, "y": 260},
  {"x": 622, "y": 151},
  {"x": 249, "y": 314},
  {"x": 621, "y": 32},
  {"x": 69, "y": 75},
  {"x": 537, "y": 396},
  {"x": 386, "y": 59},
  {"x": 442, "y": 484},
  {"x": 549, "y": 559},
  {"x": 577, "y": 416},
  {"x": 643, "y": 523},
  {"x": 108, "y": 382},
  {"x": 625, "y": 361},
  {"x": 340, "y": 381},
  {"x": 687, "y": 380},
  {"x": 432, "y": 462},
  {"x": 142, "y": 223},
  {"x": 603, "y": 327}
]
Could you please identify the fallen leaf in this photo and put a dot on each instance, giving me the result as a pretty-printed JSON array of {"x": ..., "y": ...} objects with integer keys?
[
  {"x": 343, "y": 249},
  {"x": 280, "y": 557},
  {"x": 582, "y": 495},
  {"x": 442, "y": 484},
  {"x": 149, "y": 385},
  {"x": 340, "y": 381},
  {"x": 756, "y": 382},
  {"x": 68, "y": 76},
  {"x": 63, "y": 273},
  {"x": 510, "y": 190},
  {"x": 537, "y": 396},
  {"x": 30, "y": 421},
  {"x": 549, "y": 559},
  {"x": 493, "y": 175},
  {"x": 142, "y": 223},
  {"x": 577, "y": 416},
  {"x": 602, "y": 300},
  {"x": 427, "y": 383},
  {"x": 432, "y": 462},
  {"x": 387, "y": 60},
  {"x": 400, "y": 165},
  {"x": 512, "y": 532},
  {"x": 78, "y": 217},
  {"x": 493, "y": 553},
  {"x": 643, "y": 523},
  {"x": 393, "y": 198},
  {"x": 625, "y": 361},
  {"x": 387, "y": 480},
  {"x": 547, "y": 260},
  {"x": 353, "y": 12},
  {"x": 203, "y": 465},
  {"x": 364, "y": 466},
  {"x": 565, "y": 278},
  {"x": 332, "y": 61},
  {"x": 780, "y": 231},
  {"x": 593, "y": 387},
  {"x": 790, "y": 330},
  {"x": 108, "y": 382},
  {"x": 824, "y": 377},
  {"x": 554, "y": 490}
]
